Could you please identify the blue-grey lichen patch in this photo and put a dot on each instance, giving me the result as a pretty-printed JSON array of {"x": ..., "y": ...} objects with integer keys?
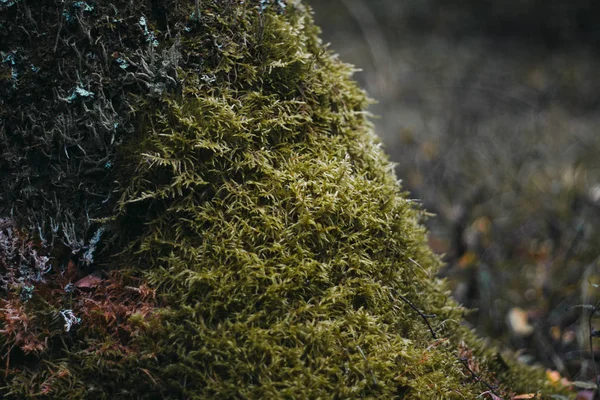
[
  {"x": 9, "y": 58},
  {"x": 21, "y": 265},
  {"x": 70, "y": 319},
  {"x": 75, "y": 6},
  {"x": 83, "y": 5},
  {"x": 122, "y": 63},
  {"x": 150, "y": 37},
  {"x": 280, "y": 4},
  {"x": 88, "y": 256},
  {"x": 79, "y": 92},
  {"x": 7, "y": 3},
  {"x": 26, "y": 292},
  {"x": 69, "y": 287},
  {"x": 68, "y": 17}
]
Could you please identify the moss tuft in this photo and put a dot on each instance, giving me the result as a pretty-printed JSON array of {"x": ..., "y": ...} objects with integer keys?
[{"x": 260, "y": 247}]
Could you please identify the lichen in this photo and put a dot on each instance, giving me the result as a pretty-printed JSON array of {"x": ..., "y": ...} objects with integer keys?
[{"x": 247, "y": 237}]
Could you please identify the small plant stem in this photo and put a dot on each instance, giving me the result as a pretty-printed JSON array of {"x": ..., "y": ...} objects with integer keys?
[{"x": 596, "y": 378}]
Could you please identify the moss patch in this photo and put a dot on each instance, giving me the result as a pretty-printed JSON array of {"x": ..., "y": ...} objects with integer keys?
[{"x": 267, "y": 246}]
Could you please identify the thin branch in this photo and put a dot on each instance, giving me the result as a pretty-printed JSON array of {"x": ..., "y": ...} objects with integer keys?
[
  {"x": 477, "y": 378},
  {"x": 423, "y": 316}
]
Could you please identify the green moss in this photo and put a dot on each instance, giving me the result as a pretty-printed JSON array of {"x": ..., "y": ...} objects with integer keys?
[{"x": 253, "y": 198}]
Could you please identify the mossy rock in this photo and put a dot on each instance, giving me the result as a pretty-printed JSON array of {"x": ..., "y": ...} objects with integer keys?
[{"x": 221, "y": 220}]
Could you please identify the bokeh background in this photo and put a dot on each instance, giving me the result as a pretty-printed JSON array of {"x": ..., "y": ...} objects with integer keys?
[{"x": 491, "y": 111}]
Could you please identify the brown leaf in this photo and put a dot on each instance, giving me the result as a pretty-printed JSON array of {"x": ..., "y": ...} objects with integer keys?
[
  {"x": 492, "y": 395},
  {"x": 88, "y": 282},
  {"x": 524, "y": 396}
]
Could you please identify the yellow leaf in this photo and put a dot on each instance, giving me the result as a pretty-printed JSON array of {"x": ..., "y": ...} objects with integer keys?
[
  {"x": 517, "y": 319},
  {"x": 524, "y": 396}
]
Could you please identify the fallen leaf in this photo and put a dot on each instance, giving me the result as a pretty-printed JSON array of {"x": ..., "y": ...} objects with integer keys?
[
  {"x": 492, "y": 395},
  {"x": 524, "y": 396},
  {"x": 517, "y": 320},
  {"x": 88, "y": 282}
]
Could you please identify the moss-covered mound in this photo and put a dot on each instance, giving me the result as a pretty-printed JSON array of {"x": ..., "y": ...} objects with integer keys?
[{"x": 196, "y": 207}]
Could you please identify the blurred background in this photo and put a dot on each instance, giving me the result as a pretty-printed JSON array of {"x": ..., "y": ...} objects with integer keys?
[{"x": 491, "y": 111}]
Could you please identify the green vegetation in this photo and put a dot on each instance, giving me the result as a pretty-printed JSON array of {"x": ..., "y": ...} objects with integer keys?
[{"x": 229, "y": 226}]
